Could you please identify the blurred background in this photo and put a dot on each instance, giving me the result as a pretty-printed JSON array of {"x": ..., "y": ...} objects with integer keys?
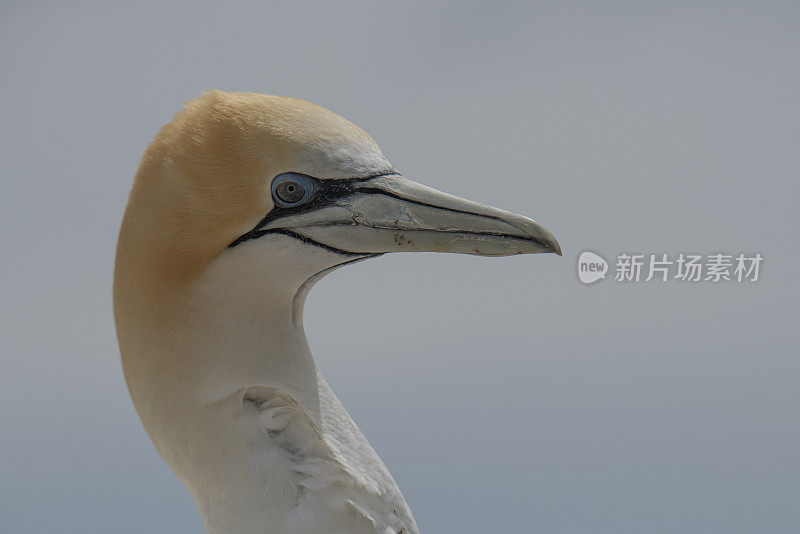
[{"x": 503, "y": 395}]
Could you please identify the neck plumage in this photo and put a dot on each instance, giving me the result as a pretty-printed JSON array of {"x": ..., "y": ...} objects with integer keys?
[
  {"x": 191, "y": 354},
  {"x": 221, "y": 374}
]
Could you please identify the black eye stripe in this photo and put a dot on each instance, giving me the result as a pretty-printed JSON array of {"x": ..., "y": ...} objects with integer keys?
[{"x": 326, "y": 192}]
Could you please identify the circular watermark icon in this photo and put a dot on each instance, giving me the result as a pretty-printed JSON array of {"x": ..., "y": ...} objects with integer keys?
[{"x": 592, "y": 267}]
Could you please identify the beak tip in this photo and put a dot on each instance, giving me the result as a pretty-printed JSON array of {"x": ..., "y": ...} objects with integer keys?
[{"x": 554, "y": 247}]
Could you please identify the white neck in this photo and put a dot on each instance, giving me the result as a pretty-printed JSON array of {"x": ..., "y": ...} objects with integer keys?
[{"x": 241, "y": 328}]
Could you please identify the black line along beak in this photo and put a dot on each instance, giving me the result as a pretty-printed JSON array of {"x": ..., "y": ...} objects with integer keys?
[{"x": 392, "y": 214}]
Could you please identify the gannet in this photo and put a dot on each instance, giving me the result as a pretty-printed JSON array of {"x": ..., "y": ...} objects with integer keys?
[{"x": 238, "y": 207}]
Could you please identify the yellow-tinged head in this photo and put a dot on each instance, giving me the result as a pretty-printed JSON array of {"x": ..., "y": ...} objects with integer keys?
[
  {"x": 214, "y": 177},
  {"x": 204, "y": 180}
]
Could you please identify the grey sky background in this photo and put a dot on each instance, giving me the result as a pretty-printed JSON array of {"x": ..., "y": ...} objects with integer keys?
[{"x": 503, "y": 395}]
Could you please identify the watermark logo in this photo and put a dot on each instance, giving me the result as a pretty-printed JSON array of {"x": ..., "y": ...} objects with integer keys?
[
  {"x": 591, "y": 267},
  {"x": 683, "y": 267}
]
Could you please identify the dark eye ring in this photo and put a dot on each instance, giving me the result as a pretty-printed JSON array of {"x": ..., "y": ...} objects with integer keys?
[{"x": 292, "y": 189}]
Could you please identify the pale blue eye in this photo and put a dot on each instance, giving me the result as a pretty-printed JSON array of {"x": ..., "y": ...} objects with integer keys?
[{"x": 292, "y": 189}]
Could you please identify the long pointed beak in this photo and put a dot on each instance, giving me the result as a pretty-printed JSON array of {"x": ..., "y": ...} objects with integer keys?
[{"x": 393, "y": 214}]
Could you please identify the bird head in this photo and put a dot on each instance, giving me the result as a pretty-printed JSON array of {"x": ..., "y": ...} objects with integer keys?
[{"x": 280, "y": 181}]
